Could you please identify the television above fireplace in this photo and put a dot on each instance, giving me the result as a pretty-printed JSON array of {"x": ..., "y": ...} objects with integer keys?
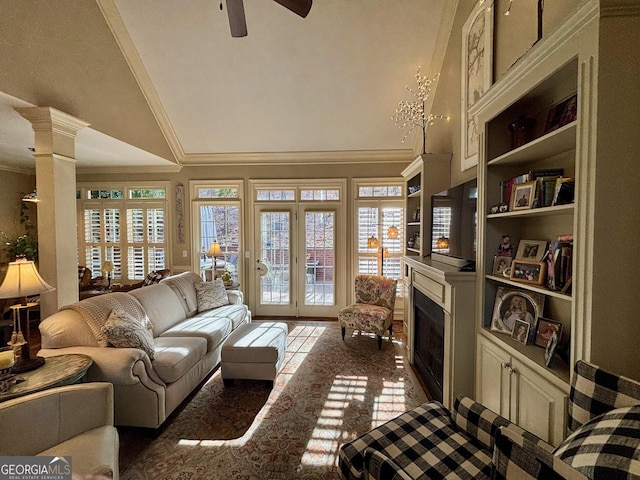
[{"x": 454, "y": 221}]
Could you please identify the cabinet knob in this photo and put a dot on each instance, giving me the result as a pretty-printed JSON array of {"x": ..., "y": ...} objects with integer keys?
[{"x": 504, "y": 365}]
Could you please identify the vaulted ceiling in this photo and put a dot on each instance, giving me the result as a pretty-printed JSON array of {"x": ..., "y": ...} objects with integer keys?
[{"x": 163, "y": 83}]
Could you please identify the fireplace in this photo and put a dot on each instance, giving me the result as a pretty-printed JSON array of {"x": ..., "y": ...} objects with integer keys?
[{"x": 428, "y": 344}]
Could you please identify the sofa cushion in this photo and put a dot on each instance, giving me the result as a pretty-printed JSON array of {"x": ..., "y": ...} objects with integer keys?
[
  {"x": 184, "y": 287},
  {"x": 212, "y": 328},
  {"x": 236, "y": 313},
  {"x": 607, "y": 447},
  {"x": 595, "y": 391},
  {"x": 477, "y": 420},
  {"x": 163, "y": 307},
  {"x": 424, "y": 442},
  {"x": 124, "y": 331},
  {"x": 176, "y": 355},
  {"x": 211, "y": 295}
]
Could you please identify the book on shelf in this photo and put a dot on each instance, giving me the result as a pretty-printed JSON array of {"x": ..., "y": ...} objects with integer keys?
[{"x": 548, "y": 174}]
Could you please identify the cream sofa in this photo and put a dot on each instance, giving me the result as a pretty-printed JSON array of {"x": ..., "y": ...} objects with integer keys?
[
  {"x": 76, "y": 421},
  {"x": 187, "y": 345}
]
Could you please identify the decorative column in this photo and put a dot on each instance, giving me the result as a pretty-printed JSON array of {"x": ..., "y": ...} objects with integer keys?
[{"x": 55, "y": 134}]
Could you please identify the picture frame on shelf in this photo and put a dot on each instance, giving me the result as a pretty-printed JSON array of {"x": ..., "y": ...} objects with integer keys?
[
  {"x": 552, "y": 344},
  {"x": 545, "y": 329},
  {"x": 533, "y": 250},
  {"x": 521, "y": 332},
  {"x": 512, "y": 305},
  {"x": 562, "y": 113},
  {"x": 527, "y": 271},
  {"x": 500, "y": 265},
  {"x": 522, "y": 196},
  {"x": 477, "y": 69},
  {"x": 564, "y": 191}
]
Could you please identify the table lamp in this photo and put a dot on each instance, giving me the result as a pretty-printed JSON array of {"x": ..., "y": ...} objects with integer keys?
[
  {"x": 107, "y": 268},
  {"x": 21, "y": 281},
  {"x": 214, "y": 251}
]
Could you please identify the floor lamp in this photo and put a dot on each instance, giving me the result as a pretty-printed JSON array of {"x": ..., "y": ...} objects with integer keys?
[
  {"x": 21, "y": 281},
  {"x": 372, "y": 242}
]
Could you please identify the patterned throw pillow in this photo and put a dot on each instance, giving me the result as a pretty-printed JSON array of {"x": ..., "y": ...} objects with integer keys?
[
  {"x": 211, "y": 295},
  {"x": 607, "y": 447},
  {"x": 124, "y": 331},
  {"x": 151, "y": 278}
]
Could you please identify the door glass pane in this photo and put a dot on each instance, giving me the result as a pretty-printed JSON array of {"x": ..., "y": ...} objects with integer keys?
[
  {"x": 221, "y": 223},
  {"x": 320, "y": 254},
  {"x": 275, "y": 253}
]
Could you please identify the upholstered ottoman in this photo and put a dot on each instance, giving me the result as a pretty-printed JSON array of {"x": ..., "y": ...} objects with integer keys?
[{"x": 254, "y": 351}]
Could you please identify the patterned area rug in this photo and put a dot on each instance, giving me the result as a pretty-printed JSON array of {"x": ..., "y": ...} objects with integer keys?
[{"x": 328, "y": 393}]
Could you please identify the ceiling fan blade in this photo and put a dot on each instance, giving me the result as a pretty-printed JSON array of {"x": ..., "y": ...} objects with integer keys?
[
  {"x": 299, "y": 7},
  {"x": 237, "y": 22}
]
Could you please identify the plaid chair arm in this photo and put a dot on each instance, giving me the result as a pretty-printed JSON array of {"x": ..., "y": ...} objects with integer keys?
[
  {"x": 520, "y": 454},
  {"x": 477, "y": 420},
  {"x": 377, "y": 466}
]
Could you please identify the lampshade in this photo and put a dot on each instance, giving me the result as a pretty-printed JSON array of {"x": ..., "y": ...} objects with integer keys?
[
  {"x": 392, "y": 232},
  {"x": 23, "y": 280},
  {"x": 214, "y": 250},
  {"x": 372, "y": 242},
  {"x": 107, "y": 266},
  {"x": 442, "y": 243}
]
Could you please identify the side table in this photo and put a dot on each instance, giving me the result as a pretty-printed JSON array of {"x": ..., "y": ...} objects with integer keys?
[{"x": 57, "y": 371}]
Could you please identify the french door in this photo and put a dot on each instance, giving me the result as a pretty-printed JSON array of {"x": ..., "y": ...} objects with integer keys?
[{"x": 295, "y": 264}]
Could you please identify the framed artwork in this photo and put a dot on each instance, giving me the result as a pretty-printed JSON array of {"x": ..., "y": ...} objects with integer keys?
[
  {"x": 546, "y": 328},
  {"x": 552, "y": 344},
  {"x": 526, "y": 271},
  {"x": 533, "y": 250},
  {"x": 512, "y": 305},
  {"x": 521, "y": 332},
  {"x": 522, "y": 196},
  {"x": 562, "y": 113},
  {"x": 477, "y": 69},
  {"x": 500, "y": 265}
]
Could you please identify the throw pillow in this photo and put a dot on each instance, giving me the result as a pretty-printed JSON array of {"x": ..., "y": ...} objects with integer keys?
[
  {"x": 211, "y": 295},
  {"x": 124, "y": 331},
  {"x": 606, "y": 447},
  {"x": 151, "y": 278}
]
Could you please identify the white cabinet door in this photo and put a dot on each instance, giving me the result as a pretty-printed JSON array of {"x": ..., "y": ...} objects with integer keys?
[
  {"x": 492, "y": 382},
  {"x": 509, "y": 387},
  {"x": 537, "y": 405}
]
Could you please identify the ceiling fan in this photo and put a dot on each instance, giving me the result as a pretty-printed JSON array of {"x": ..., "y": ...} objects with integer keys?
[{"x": 238, "y": 24}]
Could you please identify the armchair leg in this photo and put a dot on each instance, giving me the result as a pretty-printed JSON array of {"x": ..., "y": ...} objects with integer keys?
[
  {"x": 344, "y": 329},
  {"x": 379, "y": 342},
  {"x": 390, "y": 331}
]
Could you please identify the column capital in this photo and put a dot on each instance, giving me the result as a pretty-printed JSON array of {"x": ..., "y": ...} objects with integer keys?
[{"x": 48, "y": 119}]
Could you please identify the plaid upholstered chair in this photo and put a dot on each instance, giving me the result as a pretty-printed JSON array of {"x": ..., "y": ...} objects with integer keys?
[
  {"x": 373, "y": 310},
  {"x": 472, "y": 442}
]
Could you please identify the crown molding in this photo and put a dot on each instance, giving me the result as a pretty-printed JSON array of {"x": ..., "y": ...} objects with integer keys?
[
  {"x": 137, "y": 170},
  {"x": 300, "y": 158},
  {"x": 18, "y": 169}
]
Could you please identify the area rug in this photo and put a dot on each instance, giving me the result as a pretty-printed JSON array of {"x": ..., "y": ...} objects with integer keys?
[{"x": 328, "y": 393}]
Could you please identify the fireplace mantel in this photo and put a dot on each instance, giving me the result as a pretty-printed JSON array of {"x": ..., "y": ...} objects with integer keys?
[{"x": 454, "y": 291}]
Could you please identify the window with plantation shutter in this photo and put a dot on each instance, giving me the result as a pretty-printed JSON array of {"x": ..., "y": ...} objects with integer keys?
[{"x": 124, "y": 225}]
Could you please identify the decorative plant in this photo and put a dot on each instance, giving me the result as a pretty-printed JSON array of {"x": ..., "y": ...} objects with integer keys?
[{"x": 26, "y": 244}]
